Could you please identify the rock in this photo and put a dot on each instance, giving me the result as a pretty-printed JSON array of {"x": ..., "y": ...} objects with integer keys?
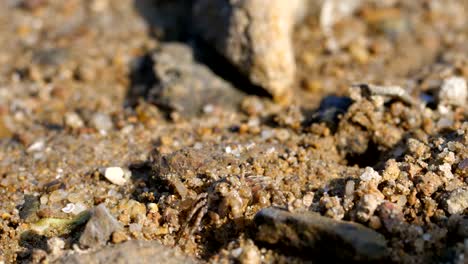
[
  {"x": 254, "y": 35},
  {"x": 367, "y": 206},
  {"x": 99, "y": 228},
  {"x": 29, "y": 208},
  {"x": 101, "y": 122},
  {"x": 314, "y": 236},
  {"x": 115, "y": 175},
  {"x": 186, "y": 86},
  {"x": 73, "y": 120},
  {"x": 457, "y": 201},
  {"x": 453, "y": 91},
  {"x": 134, "y": 251},
  {"x": 391, "y": 216}
]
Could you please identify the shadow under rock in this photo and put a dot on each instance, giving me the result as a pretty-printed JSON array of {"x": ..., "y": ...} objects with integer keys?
[{"x": 167, "y": 19}]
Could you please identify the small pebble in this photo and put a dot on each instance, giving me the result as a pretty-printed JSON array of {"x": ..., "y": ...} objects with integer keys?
[
  {"x": 102, "y": 122},
  {"x": 73, "y": 120},
  {"x": 115, "y": 175},
  {"x": 454, "y": 91},
  {"x": 36, "y": 146},
  {"x": 457, "y": 201},
  {"x": 370, "y": 174}
]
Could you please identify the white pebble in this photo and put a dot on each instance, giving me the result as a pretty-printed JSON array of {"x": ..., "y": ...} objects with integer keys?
[
  {"x": 102, "y": 122},
  {"x": 446, "y": 169},
  {"x": 36, "y": 146},
  {"x": 115, "y": 175},
  {"x": 454, "y": 91},
  {"x": 73, "y": 120},
  {"x": 370, "y": 174}
]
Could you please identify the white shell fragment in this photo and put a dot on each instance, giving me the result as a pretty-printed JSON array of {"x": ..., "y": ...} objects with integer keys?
[
  {"x": 68, "y": 208},
  {"x": 115, "y": 175}
]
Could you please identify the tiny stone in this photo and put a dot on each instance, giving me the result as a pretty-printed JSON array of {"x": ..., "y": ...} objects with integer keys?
[
  {"x": 457, "y": 201},
  {"x": 73, "y": 120},
  {"x": 454, "y": 91},
  {"x": 119, "y": 237},
  {"x": 115, "y": 175},
  {"x": 446, "y": 169},
  {"x": 36, "y": 146},
  {"x": 370, "y": 174},
  {"x": 102, "y": 122}
]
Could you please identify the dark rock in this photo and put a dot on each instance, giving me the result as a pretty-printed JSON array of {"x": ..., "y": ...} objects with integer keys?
[
  {"x": 186, "y": 86},
  {"x": 134, "y": 251},
  {"x": 317, "y": 237},
  {"x": 29, "y": 208},
  {"x": 99, "y": 228}
]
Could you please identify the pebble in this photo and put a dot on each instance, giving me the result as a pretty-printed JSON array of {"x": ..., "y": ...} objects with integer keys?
[
  {"x": 453, "y": 91},
  {"x": 370, "y": 174},
  {"x": 36, "y": 146},
  {"x": 367, "y": 206},
  {"x": 119, "y": 237},
  {"x": 195, "y": 89},
  {"x": 73, "y": 120},
  {"x": 99, "y": 228},
  {"x": 310, "y": 235},
  {"x": 115, "y": 175},
  {"x": 446, "y": 170},
  {"x": 102, "y": 122},
  {"x": 457, "y": 201}
]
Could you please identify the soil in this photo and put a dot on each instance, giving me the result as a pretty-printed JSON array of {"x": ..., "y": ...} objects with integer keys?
[{"x": 84, "y": 86}]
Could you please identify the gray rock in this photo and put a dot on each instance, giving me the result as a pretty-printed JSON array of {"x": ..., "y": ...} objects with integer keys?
[
  {"x": 186, "y": 86},
  {"x": 99, "y": 228},
  {"x": 29, "y": 208},
  {"x": 134, "y": 251},
  {"x": 457, "y": 201},
  {"x": 254, "y": 35},
  {"x": 314, "y": 236}
]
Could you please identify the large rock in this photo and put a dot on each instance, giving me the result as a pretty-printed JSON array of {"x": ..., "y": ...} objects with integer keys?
[
  {"x": 254, "y": 35},
  {"x": 134, "y": 252},
  {"x": 187, "y": 87},
  {"x": 317, "y": 237}
]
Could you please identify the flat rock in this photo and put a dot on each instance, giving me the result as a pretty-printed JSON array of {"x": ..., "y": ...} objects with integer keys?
[
  {"x": 317, "y": 237},
  {"x": 187, "y": 87},
  {"x": 134, "y": 251},
  {"x": 99, "y": 228},
  {"x": 254, "y": 35}
]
